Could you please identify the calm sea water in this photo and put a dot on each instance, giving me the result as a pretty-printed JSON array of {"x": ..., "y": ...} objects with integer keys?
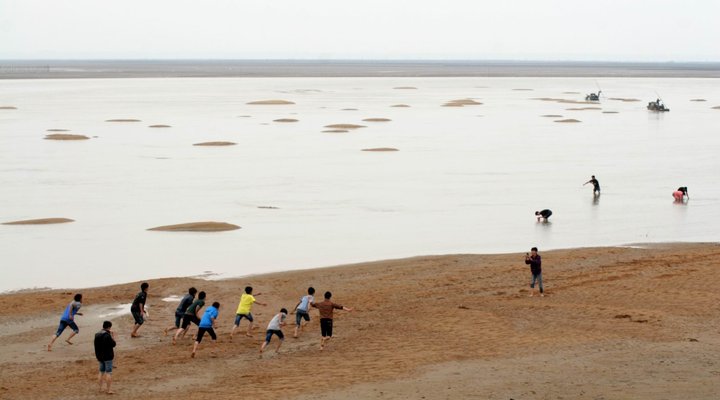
[{"x": 466, "y": 180}]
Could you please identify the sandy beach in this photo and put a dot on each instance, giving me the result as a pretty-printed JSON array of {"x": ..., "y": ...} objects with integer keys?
[{"x": 638, "y": 322}]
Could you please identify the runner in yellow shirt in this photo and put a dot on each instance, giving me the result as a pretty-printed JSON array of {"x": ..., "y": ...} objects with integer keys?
[{"x": 243, "y": 311}]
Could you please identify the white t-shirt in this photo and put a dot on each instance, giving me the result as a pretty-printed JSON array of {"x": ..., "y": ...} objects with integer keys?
[
  {"x": 274, "y": 324},
  {"x": 305, "y": 303}
]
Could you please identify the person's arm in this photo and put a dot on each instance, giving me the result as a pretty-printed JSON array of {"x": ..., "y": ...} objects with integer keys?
[
  {"x": 262, "y": 304},
  {"x": 197, "y": 312},
  {"x": 297, "y": 305},
  {"x": 347, "y": 308},
  {"x": 314, "y": 305},
  {"x": 587, "y": 182}
]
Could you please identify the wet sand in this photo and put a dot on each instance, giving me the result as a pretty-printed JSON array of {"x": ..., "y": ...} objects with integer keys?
[{"x": 617, "y": 323}]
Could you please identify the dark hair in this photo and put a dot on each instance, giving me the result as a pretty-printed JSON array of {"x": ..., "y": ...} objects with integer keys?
[
  {"x": 216, "y": 304},
  {"x": 144, "y": 286},
  {"x": 537, "y": 212},
  {"x": 593, "y": 176},
  {"x": 201, "y": 295},
  {"x": 107, "y": 325},
  {"x": 78, "y": 297},
  {"x": 248, "y": 289},
  {"x": 328, "y": 295},
  {"x": 533, "y": 249},
  {"x": 284, "y": 311},
  {"x": 311, "y": 290},
  {"x": 192, "y": 291}
]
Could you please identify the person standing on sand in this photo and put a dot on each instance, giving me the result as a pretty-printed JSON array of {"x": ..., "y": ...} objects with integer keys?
[
  {"x": 191, "y": 316},
  {"x": 275, "y": 328},
  {"x": 302, "y": 310},
  {"x": 104, "y": 344},
  {"x": 596, "y": 185},
  {"x": 543, "y": 215},
  {"x": 68, "y": 319},
  {"x": 137, "y": 309},
  {"x": 244, "y": 311},
  {"x": 326, "y": 308},
  {"x": 207, "y": 324},
  {"x": 535, "y": 262},
  {"x": 185, "y": 302}
]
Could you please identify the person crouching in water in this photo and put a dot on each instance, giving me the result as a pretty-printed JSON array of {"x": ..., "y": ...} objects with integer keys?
[
  {"x": 681, "y": 194},
  {"x": 535, "y": 262},
  {"x": 543, "y": 215}
]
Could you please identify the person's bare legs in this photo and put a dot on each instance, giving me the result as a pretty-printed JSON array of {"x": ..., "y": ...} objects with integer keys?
[
  {"x": 49, "y": 346},
  {"x": 100, "y": 381},
  {"x": 134, "y": 331},
  {"x": 70, "y": 337},
  {"x": 262, "y": 348},
  {"x": 249, "y": 331},
  {"x": 324, "y": 341},
  {"x": 277, "y": 349},
  {"x": 297, "y": 328},
  {"x": 108, "y": 380},
  {"x": 178, "y": 332},
  {"x": 232, "y": 332},
  {"x": 195, "y": 346}
]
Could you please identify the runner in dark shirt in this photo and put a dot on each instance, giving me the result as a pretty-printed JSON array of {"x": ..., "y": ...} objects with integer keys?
[
  {"x": 180, "y": 311},
  {"x": 544, "y": 214},
  {"x": 137, "y": 309},
  {"x": 326, "y": 308},
  {"x": 596, "y": 185}
]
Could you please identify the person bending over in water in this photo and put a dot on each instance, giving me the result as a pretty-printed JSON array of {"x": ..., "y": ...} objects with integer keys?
[
  {"x": 681, "y": 194},
  {"x": 543, "y": 215},
  {"x": 596, "y": 185}
]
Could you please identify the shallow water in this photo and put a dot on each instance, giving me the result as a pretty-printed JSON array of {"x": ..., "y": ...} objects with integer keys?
[{"x": 465, "y": 179}]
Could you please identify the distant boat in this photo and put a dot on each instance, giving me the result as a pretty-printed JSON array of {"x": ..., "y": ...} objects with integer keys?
[
  {"x": 593, "y": 96},
  {"x": 657, "y": 105}
]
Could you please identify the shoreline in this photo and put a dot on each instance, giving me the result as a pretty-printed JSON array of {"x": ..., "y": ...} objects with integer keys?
[
  {"x": 416, "y": 322},
  {"x": 209, "y": 276},
  {"x": 83, "y": 69}
]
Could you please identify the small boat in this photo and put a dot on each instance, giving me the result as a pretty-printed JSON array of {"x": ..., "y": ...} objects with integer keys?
[
  {"x": 593, "y": 96},
  {"x": 657, "y": 105}
]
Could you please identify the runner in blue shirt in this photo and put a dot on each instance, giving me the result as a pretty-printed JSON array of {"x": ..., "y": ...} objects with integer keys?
[
  {"x": 68, "y": 319},
  {"x": 207, "y": 324}
]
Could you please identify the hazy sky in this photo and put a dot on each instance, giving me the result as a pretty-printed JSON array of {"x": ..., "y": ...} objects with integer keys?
[{"x": 625, "y": 30}]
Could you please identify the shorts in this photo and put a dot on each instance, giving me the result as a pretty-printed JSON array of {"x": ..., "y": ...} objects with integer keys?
[
  {"x": 178, "y": 319},
  {"x": 239, "y": 317},
  {"x": 326, "y": 327},
  {"x": 300, "y": 315},
  {"x": 64, "y": 324},
  {"x": 106, "y": 366},
  {"x": 201, "y": 333},
  {"x": 270, "y": 333},
  {"x": 187, "y": 319},
  {"x": 138, "y": 317}
]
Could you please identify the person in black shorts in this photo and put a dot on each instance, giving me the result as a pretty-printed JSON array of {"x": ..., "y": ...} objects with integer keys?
[
  {"x": 596, "y": 185},
  {"x": 137, "y": 309},
  {"x": 190, "y": 316},
  {"x": 326, "y": 308},
  {"x": 543, "y": 215},
  {"x": 185, "y": 302},
  {"x": 207, "y": 324}
]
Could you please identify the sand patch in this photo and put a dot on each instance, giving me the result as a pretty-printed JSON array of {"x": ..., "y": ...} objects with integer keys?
[
  {"x": 583, "y": 108},
  {"x": 159, "y": 126},
  {"x": 270, "y": 102},
  {"x": 611, "y": 112},
  {"x": 345, "y": 126},
  {"x": 123, "y": 120},
  {"x": 65, "y": 136},
  {"x": 462, "y": 103},
  {"x": 523, "y": 90},
  {"x": 57, "y": 130},
  {"x": 716, "y": 108},
  {"x": 335, "y": 131},
  {"x": 381, "y": 149},
  {"x": 551, "y": 116},
  {"x": 405, "y": 88},
  {"x": 570, "y": 92},
  {"x": 564, "y": 101},
  {"x": 400, "y": 106},
  {"x": 41, "y": 221},
  {"x": 377, "y": 120},
  {"x": 285, "y": 120},
  {"x": 215, "y": 144},
  {"x": 569, "y": 120},
  {"x": 698, "y": 100},
  {"x": 8, "y": 108},
  {"x": 208, "y": 226},
  {"x": 624, "y": 99},
  {"x": 349, "y": 109},
  {"x": 269, "y": 207},
  {"x": 244, "y": 116}
]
